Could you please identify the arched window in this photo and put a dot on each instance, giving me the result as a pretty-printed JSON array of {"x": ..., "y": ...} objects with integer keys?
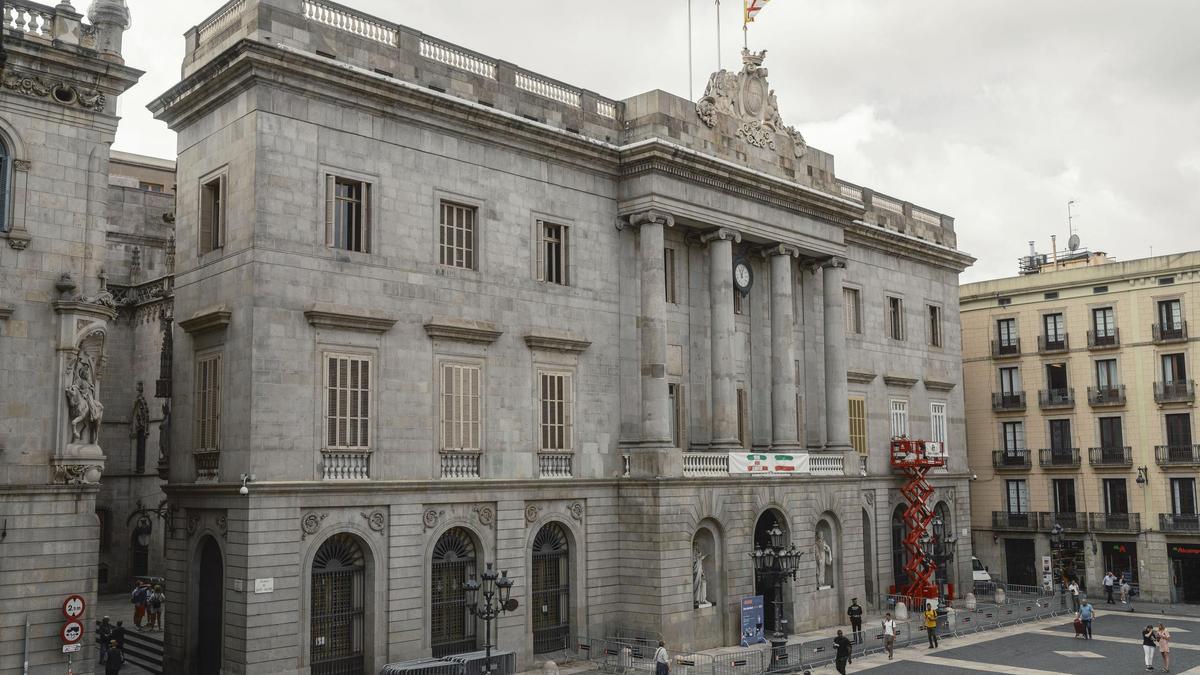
[
  {"x": 338, "y": 598},
  {"x": 899, "y": 530},
  {"x": 5, "y": 186},
  {"x": 452, "y": 626},
  {"x": 551, "y": 590}
]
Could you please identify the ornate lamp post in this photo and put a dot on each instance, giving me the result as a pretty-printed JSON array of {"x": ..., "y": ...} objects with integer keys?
[
  {"x": 1056, "y": 542},
  {"x": 939, "y": 548},
  {"x": 495, "y": 590},
  {"x": 774, "y": 564}
]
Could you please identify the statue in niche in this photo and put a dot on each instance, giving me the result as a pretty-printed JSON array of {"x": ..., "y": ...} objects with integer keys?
[
  {"x": 84, "y": 401},
  {"x": 823, "y": 553},
  {"x": 699, "y": 579}
]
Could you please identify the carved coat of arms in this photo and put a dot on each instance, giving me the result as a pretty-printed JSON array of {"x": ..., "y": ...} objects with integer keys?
[{"x": 746, "y": 97}]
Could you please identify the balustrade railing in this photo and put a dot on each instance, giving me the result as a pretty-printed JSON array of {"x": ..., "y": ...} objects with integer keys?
[
  {"x": 1169, "y": 332},
  {"x": 458, "y": 58},
  {"x": 926, "y": 217},
  {"x": 1181, "y": 454},
  {"x": 699, "y": 464},
  {"x": 29, "y": 18},
  {"x": 208, "y": 463},
  {"x": 1179, "y": 522},
  {"x": 460, "y": 465},
  {"x": 219, "y": 21},
  {"x": 1012, "y": 400},
  {"x": 345, "y": 465},
  {"x": 1016, "y": 458},
  {"x": 1176, "y": 391},
  {"x": 1049, "y": 344},
  {"x": 606, "y": 109},
  {"x": 1105, "y": 340},
  {"x": 555, "y": 465},
  {"x": 1115, "y": 522},
  {"x": 1059, "y": 458},
  {"x": 348, "y": 20},
  {"x": 850, "y": 191},
  {"x": 1102, "y": 396},
  {"x": 545, "y": 88},
  {"x": 827, "y": 465},
  {"x": 1111, "y": 456},
  {"x": 1006, "y": 348},
  {"x": 1056, "y": 398}
]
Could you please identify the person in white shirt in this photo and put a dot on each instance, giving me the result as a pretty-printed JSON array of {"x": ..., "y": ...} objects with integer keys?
[
  {"x": 662, "y": 662},
  {"x": 1073, "y": 588},
  {"x": 889, "y": 634},
  {"x": 1109, "y": 580}
]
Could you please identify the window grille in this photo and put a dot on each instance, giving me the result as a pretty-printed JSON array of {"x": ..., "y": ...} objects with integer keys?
[{"x": 452, "y": 625}]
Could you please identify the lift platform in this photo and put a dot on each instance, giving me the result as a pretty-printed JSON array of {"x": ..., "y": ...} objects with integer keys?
[{"x": 914, "y": 458}]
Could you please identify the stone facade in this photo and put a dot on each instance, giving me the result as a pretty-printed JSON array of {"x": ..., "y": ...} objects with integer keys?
[
  {"x": 58, "y": 117},
  {"x": 668, "y": 372}
]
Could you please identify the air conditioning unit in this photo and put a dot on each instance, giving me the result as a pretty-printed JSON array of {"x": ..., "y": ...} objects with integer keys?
[{"x": 474, "y": 663}]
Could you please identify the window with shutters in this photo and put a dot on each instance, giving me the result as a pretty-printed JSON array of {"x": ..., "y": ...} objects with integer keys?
[
  {"x": 858, "y": 424},
  {"x": 678, "y": 415},
  {"x": 457, "y": 235},
  {"x": 552, "y": 253},
  {"x": 460, "y": 407},
  {"x": 207, "y": 433},
  {"x": 935, "y": 325},
  {"x": 347, "y": 402},
  {"x": 899, "y": 418},
  {"x": 895, "y": 318},
  {"x": 669, "y": 274},
  {"x": 852, "y": 306},
  {"x": 557, "y": 401},
  {"x": 347, "y": 214},
  {"x": 937, "y": 422},
  {"x": 212, "y": 215},
  {"x": 743, "y": 417}
]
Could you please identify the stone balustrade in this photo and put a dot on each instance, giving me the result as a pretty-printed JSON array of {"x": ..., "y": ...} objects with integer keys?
[
  {"x": 457, "y": 58},
  {"x": 218, "y": 22},
  {"x": 460, "y": 465},
  {"x": 350, "y": 21},
  {"x": 545, "y": 88},
  {"x": 345, "y": 465},
  {"x": 832, "y": 464},
  {"x": 32, "y": 19},
  {"x": 696, "y": 464},
  {"x": 555, "y": 465}
]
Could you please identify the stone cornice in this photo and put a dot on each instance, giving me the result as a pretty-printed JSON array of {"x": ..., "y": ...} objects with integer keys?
[
  {"x": 899, "y": 381},
  {"x": 779, "y": 249},
  {"x": 462, "y": 330},
  {"x": 908, "y": 247},
  {"x": 939, "y": 385},
  {"x": 208, "y": 319},
  {"x": 860, "y": 377},
  {"x": 325, "y": 315},
  {"x": 721, "y": 234},
  {"x": 83, "y": 307},
  {"x": 647, "y": 217},
  {"x": 556, "y": 340}
]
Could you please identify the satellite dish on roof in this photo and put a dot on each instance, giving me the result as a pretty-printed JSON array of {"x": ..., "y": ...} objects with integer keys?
[{"x": 1073, "y": 242}]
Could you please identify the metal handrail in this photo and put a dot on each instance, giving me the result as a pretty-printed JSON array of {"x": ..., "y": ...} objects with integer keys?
[{"x": 1111, "y": 456}]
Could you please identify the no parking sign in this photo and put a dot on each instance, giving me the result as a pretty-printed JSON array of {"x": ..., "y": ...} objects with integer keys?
[{"x": 73, "y": 606}]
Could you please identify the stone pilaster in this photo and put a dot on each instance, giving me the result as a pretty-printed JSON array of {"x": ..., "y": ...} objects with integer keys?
[
  {"x": 724, "y": 417},
  {"x": 784, "y": 433},
  {"x": 837, "y": 408}
]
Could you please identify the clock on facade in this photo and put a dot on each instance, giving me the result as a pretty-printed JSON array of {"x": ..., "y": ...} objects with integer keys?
[{"x": 742, "y": 276}]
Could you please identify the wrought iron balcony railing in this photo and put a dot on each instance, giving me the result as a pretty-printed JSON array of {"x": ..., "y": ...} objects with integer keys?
[
  {"x": 1013, "y": 401},
  {"x": 1176, "y": 522},
  {"x": 1175, "y": 391},
  {"x": 1072, "y": 521},
  {"x": 1056, "y": 398},
  {"x": 1015, "y": 460},
  {"x": 1105, "y": 340},
  {"x": 1003, "y": 520},
  {"x": 1169, "y": 332},
  {"x": 1058, "y": 458},
  {"x": 1106, "y": 396},
  {"x": 1002, "y": 349},
  {"x": 1177, "y": 455},
  {"x": 1112, "y": 457},
  {"x": 1052, "y": 344},
  {"x": 1115, "y": 522}
]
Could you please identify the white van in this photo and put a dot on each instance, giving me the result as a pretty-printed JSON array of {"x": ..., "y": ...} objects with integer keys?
[{"x": 979, "y": 573}]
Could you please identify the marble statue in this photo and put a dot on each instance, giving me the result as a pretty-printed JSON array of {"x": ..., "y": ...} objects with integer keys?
[
  {"x": 824, "y": 555},
  {"x": 699, "y": 580},
  {"x": 84, "y": 400}
]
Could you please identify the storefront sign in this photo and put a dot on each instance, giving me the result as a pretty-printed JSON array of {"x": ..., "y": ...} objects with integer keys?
[
  {"x": 752, "y": 621},
  {"x": 1183, "y": 550}
]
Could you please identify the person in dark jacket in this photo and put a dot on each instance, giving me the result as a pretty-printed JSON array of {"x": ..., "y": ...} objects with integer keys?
[
  {"x": 116, "y": 659},
  {"x": 118, "y": 634},
  {"x": 842, "y": 654},
  {"x": 104, "y": 631},
  {"x": 855, "y": 614}
]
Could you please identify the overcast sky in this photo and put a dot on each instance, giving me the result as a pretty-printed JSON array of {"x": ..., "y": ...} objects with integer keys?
[{"x": 995, "y": 112}]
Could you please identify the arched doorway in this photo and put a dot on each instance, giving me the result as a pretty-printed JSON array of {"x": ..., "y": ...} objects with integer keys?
[
  {"x": 210, "y": 609},
  {"x": 766, "y": 588},
  {"x": 899, "y": 529},
  {"x": 551, "y": 589},
  {"x": 452, "y": 626},
  {"x": 338, "y": 598}
]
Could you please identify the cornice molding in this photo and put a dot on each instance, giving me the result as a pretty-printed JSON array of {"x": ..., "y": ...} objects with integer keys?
[
  {"x": 324, "y": 315},
  {"x": 860, "y": 377},
  {"x": 907, "y": 247},
  {"x": 899, "y": 381},
  {"x": 939, "y": 385},
  {"x": 556, "y": 340},
  {"x": 206, "y": 320},
  {"x": 462, "y": 330}
]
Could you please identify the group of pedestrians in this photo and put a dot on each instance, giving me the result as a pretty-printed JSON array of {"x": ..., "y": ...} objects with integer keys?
[
  {"x": 1114, "y": 583},
  {"x": 147, "y": 602},
  {"x": 112, "y": 645},
  {"x": 1157, "y": 639}
]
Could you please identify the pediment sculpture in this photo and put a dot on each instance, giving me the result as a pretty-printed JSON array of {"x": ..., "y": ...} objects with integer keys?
[{"x": 746, "y": 97}]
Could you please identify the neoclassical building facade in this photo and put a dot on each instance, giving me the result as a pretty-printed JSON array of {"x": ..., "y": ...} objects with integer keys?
[{"x": 435, "y": 311}]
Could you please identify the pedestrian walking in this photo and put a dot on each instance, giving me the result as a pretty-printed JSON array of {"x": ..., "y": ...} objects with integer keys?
[
  {"x": 1073, "y": 589},
  {"x": 1110, "y": 580},
  {"x": 842, "y": 652},
  {"x": 118, "y": 635},
  {"x": 1164, "y": 647},
  {"x": 1086, "y": 615},
  {"x": 138, "y": 597},
  {"x": 662, "y": 662},
  {"x": 889, "y": 634},
  {"x": 154, "y": 604},
  {"x": 855, "y": 614},
  {"x": 104, "y": 631},
  {"x": 1125, "y": 588},
  {"x": 116, "y": 659},
  {"x": 931, "y": 617},
  {"x": 1149, "y": 644}
]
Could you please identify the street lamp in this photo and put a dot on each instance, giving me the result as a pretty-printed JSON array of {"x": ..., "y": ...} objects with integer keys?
[
  {"x": 496, "y": 590},
  {"x": 939, "y": 548},
  {"x": 1056, "y": 535},
  {"x": 775, "y": 563}
]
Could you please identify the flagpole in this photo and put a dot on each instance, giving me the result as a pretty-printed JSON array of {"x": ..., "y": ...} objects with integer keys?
[
  {"x": 718, "y": 34},
  {"x": 690, "y": 77}
]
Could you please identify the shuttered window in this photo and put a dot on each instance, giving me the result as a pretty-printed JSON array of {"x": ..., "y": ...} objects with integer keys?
[
  {"x": 937, "y": 422},
  {"x": 899, "y": 417},
  {"x": 851, "y": 305},
  {"x": 208, "y": 402},
  {"x": 460, "y": 412},
  {"x": 858, "y": 424},
  {"x": 347, "y": 402},
  {"x": 552, "y": 253},
  {"x": 557, "y": 399},
  {"x": 347, "y": 214},
  {"x": 212, "y": 215},
  {"x": 457, "y": 235}
]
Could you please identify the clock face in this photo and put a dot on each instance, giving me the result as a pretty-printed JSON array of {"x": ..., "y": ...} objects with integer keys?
[{"x": 741, "y": 275}]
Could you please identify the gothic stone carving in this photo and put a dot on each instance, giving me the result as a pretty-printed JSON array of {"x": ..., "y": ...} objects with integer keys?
[
  {"x": 746, "y": 97},
  {"x": 141, "y": 413},
  {"x": 310, "y": 523},
  {"x": 83, "y": 395},
  {"x": 576, "y": 510},
  {"x": 62, "y": 93},
  {"x": 77, "y": 474}
]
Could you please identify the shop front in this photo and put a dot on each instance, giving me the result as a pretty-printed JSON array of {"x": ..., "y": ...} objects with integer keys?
[
  {"x": 1120, "y": 558},
  {"x": 1185, "y": 572}
]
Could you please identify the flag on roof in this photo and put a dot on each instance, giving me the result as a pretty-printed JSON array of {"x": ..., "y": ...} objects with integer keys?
[{"x": 753, "y": 7}]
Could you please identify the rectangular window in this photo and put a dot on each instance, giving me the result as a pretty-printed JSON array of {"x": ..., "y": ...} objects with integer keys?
[
  {"x": 1106, "y": 373},
  {"x": 1179, "y": 432},
  {"x": 743, "y": 416},
  {"x": 1056, "y": 379},
  {"x": 678, "y": 415},
  {"x": 935, "y": 326},
  {"x": 347, "y": 402},
  {"x": 1010, "y": 381},
  {"x": 1170, "y": 315},
  {"x": 1056, "y": 332},
  {"x": 208, "y": 403},
  {"x": 552, "y": 253},
  {"x": 895, "y": 318},
  {"x": 739, "y": 302},
  {"x": 1104, "y": 323},
  {"x": 557, "y": 405},
  {"x": 1174, "y": 368},
  {"x": 1116, "y": 499},
  {"x": 1018, "y": 496},
  {"x": 1111, "y": 436},
  {"x": 150, "y": 187},
  {"x": 1014, "y": 437},
  {"x": 852, "y": 306},
  {"x": 899, "y": 418},
  {"x": 669, "y": 274},
  {"x": 937, "y": 422},
  {"x": 1060, "y": 435},
  {"x": 212, "y": 215},
  {"x": 858, "y": 424},
  {"x": 457, "y": 235},
  {"x": 460, "y": 408},
  {"x": 1064, "y": 495},
  {"x": 347, "y": 214},
  {"x": 1183, "y": 496},
  {"x": 1006, "y": 332}
]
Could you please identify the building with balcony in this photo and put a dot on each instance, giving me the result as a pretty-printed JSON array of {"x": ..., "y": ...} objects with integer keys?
[
  {"x": 1117, "y": 472},
  {"x": 435, "y": 311}
]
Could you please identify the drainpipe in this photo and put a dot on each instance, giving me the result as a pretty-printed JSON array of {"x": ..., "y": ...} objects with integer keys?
[{"x": 25, "y": 668}]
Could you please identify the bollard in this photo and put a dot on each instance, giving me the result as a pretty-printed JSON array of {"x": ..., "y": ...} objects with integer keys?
[
  {"x": 999, "y": 596},
  {"x": 901, "y": 611},
  {"x": 971, "y": 602}
]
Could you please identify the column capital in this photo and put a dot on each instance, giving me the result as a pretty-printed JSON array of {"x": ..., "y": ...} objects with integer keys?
[
  {"x": 721, "y": 234},
  {"x": 779, "y": 249},
  {"x": 647, "y": 217},
  {"x": 813, "y": 265}
]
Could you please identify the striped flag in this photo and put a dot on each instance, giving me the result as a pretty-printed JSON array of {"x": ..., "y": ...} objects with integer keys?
[{"x": 753, "y": 7}]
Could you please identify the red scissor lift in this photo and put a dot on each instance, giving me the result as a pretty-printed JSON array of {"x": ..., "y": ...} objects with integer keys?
[{"x": 915, "y": 458}]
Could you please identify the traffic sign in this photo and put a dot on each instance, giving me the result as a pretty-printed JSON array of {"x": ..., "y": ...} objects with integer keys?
[
  {"x": 73, "y": 606},
  {"x": 72, "y": 632},
  {"x": 72, "y": 649}
]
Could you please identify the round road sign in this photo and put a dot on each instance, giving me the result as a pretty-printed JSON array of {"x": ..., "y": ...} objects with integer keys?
[
  {"x": 73, "y": 606},
  {"x": 72, "y": 632}
]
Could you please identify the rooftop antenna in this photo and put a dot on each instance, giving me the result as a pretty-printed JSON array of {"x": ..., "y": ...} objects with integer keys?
[{"x": 1073, "y": 241}]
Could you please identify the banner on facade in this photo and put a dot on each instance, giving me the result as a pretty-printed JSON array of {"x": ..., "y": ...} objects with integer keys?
[
  {"x": 753, "y": 631},
  {"x": 768, "y": 464}
]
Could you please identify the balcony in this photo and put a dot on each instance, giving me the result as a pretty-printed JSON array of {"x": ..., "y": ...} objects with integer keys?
[
  {"x": 1166, "y": 332},
  {"x": 1003, "y": 349},
  {"x": 208, "y": 463},
  {"x": 460, "y": 464},
  {"x": 827, "y": 464},
  {"x": 555, "y": 464},
  {"x": 1107, "y": 340},
  {"x": 1013, "y": 401},
  {"x": 1071, "y": 522},
  {"x": 1003, "y": 520},
  {"x": 1174, "y": 522},
  {"x": 1177, "y": 391},
  {"x": 1177, "y": 455},
  {"x": 1052, "y": 345},
  {"x": 1115, "y": 522},
  {"x": 705, "y": 464},
  {"x": 1099, "y": 397},
  {"x": 345, "y": 465},
  {"x": 1011, "y": 460},
  {"x": 1111, "y": 457},
  {"x": 1058, "y": 458},
  {"x": 1056, "y": 399}
]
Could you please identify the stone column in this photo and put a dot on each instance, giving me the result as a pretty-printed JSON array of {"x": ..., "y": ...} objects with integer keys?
[
  {"x": 837, "y": 407},
  {"x": 724, "y": 418},
  {"x": 784, "y": 433}
]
